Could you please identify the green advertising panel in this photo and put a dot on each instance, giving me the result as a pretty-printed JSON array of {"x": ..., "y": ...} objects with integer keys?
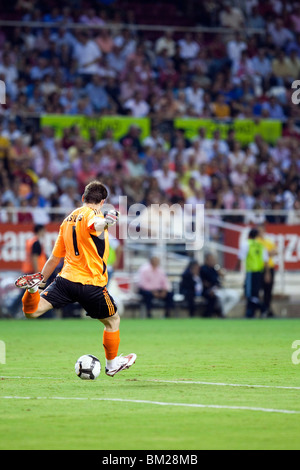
[
  {"x": 245, "y": 129},
  {"x": 119, "y": 124}
]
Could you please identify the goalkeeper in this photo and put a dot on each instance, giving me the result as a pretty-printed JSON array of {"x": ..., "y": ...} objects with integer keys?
[{"x": 83, "y": 243}]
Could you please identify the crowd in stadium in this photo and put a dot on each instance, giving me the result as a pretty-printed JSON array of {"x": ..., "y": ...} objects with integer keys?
[{"x": 64, "y": 70}]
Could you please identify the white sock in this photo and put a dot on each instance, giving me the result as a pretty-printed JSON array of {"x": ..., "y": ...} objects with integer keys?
[
  {"x": 111, "y": 364},
  {"x": 33, "y": 289}
]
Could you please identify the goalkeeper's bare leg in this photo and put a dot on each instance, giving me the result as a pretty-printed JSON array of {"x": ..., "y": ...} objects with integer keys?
[{"x": 33, "y": 304}]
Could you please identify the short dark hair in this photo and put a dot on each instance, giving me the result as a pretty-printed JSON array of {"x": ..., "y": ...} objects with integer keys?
[
  {"x": 253, "y": 233},
  {"x": 94, "y": 193},
  {"x": 38, "y": 228}
]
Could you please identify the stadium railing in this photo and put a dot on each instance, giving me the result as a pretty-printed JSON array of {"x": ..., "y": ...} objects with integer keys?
[
  {"x": 132, "y": 27},
  {"x": 223, "y": 232},
  {"x": 221, "y": 237}
]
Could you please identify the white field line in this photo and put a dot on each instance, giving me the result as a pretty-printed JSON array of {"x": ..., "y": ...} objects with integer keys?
[
  {"x": 190, "y": 382},
  {"x": 220, "y": 384},
  {"x": 159, "y": 403},
  {"x": 30, "y": 378}
]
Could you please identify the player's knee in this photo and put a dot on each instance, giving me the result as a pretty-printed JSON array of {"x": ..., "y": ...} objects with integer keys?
[
  {"x": 112, "y": 323},
  {"x": 115, "y": 321}
]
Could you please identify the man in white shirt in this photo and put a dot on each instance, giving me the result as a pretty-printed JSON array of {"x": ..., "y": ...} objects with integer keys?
[
  {"x": 126, "y": 42},
  {"x": 87, "y": 54},
  {"x": 194, "y": 96},
  {"x": 154, "y": 140},
  {"x": 166, "y": 42},
  {"x": 137, "y": 105},
  {"x": 280, "y": 35},
  {"x": 235, "y": 47},
  {"x": 231, "y": 17},
  {"x": 165, "y": 177},
  {"x": 8, "y": 70},
  {"x": 188, "y": 47}
]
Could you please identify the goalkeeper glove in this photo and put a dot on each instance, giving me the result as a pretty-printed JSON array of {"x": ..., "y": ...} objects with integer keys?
[{"x": 111, "y": 217}]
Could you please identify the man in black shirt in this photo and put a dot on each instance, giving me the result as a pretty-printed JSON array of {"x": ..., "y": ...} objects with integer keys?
[
  {"x": 191, "y": 286},
  {"x": 211, "y": 281}
]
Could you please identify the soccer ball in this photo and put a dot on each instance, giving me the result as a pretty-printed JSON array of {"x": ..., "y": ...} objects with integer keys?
[{"x": 88, "y": 367}]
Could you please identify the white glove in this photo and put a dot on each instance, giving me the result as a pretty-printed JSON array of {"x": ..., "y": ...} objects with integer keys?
[{"x": 111, "y": 217}]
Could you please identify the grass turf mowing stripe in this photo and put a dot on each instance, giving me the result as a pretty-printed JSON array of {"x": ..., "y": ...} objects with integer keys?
[
  {"x": 159, "y": 403},
  {"x": 188, "y": 382}
]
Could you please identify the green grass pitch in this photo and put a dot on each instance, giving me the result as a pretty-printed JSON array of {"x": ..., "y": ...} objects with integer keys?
[{"x": 159, "y": 403}]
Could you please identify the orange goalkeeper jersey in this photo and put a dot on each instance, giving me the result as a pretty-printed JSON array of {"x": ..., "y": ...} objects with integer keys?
[{"x": 85, "y": 254}]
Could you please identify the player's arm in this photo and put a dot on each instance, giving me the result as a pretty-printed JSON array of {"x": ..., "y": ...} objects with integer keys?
[
  {"x": 58, "y": 252},
  {"x": 100, "y": 223}
]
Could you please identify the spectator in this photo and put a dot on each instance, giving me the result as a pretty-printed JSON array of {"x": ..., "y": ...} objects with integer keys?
[
  {"x": 87, "y": 55},
  {"x": 35, "y": 254},
  {"x": 105, "y": 41},
  {"x": 273, "y": 110},
  {"x": 91, "y": 19},
  {"x": 132, "y": 138},
  {"x": 280, "y": 35},
  {"x": 137, "y": 106},
  {"x": 220, "y": 299},
  {"x": 194, "y": 96},
  {"x": 211, "y": 282},
  {"x": 261, "y": 65},
  {"x": 294, "y": 64},
  {"x": 282, "y": 68},
  {"x": 220, "y": 109},
  {"x": 8, "y": 69},
  {"x": 116, "y": 60},
  {"x": 166, "y": 42},
  {"x": 255, "y": 20},
  {"x": 295, "y": 18},
  {"x": 189, "y": 48},
  {"x": 153, "y": 284},
  {"x": 231, "y": 17},
  {"x": 191, "y": 286},
  {"x": 97, "y": 94},
  {"x": 235, "y": 47}
]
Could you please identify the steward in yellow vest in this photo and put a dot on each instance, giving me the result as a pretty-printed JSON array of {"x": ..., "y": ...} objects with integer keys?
[{"x": 255, "y": 258}]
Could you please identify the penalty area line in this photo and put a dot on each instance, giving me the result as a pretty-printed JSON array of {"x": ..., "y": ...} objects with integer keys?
[{"x": 157, "y": 403}]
